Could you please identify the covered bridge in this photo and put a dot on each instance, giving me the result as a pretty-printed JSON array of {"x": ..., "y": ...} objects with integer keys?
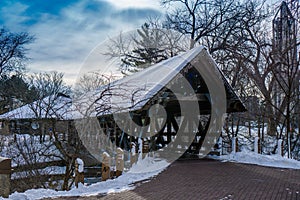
[{"x": 176, "y": 103}]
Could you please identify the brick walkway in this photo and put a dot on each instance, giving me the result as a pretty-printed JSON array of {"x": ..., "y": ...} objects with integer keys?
[{"x": 208, "y": 179}]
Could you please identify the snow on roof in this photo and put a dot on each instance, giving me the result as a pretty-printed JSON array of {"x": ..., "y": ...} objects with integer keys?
[
  {"x": 133, "y": 92},
  {"x": 58, "y": 107}
]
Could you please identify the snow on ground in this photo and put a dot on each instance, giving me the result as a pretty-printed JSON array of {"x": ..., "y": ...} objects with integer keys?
[
  {"x": 147, "y": 168},
  {"x": 143, "y": 170},
  {"x": 259, "y": 159},
  {"x": 147, "y": 165},
  {"x": 45, "y": 171},
  {"x": 27, "y": 149}
]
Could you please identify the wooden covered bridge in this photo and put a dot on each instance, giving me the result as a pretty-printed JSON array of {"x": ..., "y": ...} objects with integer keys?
[{"x": 169, "y": 104}]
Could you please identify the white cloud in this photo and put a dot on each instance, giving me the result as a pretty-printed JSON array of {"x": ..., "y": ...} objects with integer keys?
[
  {"x": 12, "y": 14},
  {"x": 63, "y": 42},
  {"x": 65, "y": 39},
  {"x": 123, "y": 4}
]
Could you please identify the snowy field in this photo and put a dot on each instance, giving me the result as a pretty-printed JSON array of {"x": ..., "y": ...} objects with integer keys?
[{"x": 147, "y": 168}]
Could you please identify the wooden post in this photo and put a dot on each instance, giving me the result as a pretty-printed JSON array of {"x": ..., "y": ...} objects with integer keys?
[
  {"x": 145, "y": 149},
  {"x": 79, "y": 171},
  {"x": 280, "y": 147},
  {"x": 4, "y": 128},
  {"x": 221, "y": 145},
  {"x": 257, "y": 145},
  {"x": 119, "y": 162},
  {"x": 106, "y": 160},
  {"x": 5, "y": 173},
  {"x": 234, "y": 145},
  {"x": 133, "y": 156}
]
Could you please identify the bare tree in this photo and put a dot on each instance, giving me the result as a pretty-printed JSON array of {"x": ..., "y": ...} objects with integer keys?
[
  {"x": 286, "y": 66},
  {"x": 222, "y": 27},
  {"x": 53, "y": 109},
  {"x": 273, "y": 74},
  {"x": 90, "y": 82},
  {"x": 48, "y": 86},
  {"x": 12, "y": 58},
  {"x": 48, "y": 83},
  {"x": 33, "y": 163},
  {"x": 211, "y": 23},
  {"x": 13, "y": 51}
]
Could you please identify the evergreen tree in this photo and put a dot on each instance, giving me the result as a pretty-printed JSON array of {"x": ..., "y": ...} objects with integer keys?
[
  {"x": 14, "y": 91},
  {"x": 148, "y": 50}
]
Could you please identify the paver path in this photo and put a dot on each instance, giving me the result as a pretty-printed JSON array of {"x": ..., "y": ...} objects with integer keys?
[{"x": 208, "y": 179}]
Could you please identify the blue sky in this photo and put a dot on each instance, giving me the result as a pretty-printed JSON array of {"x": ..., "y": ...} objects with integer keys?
[{"x": 66, "y": 31}]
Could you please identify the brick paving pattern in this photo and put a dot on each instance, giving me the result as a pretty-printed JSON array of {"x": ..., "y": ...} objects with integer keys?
[{"x": 208, "y": 179}]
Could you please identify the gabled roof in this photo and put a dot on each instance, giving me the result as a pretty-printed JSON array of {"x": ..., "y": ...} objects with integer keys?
[{"x": 135, "y": 91}]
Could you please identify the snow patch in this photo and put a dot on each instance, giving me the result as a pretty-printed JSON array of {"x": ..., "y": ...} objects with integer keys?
[
  {"x": 143, "y": 170},
  {"x": 148, "y": 164},
  {"x": 259, "y": 159}
]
